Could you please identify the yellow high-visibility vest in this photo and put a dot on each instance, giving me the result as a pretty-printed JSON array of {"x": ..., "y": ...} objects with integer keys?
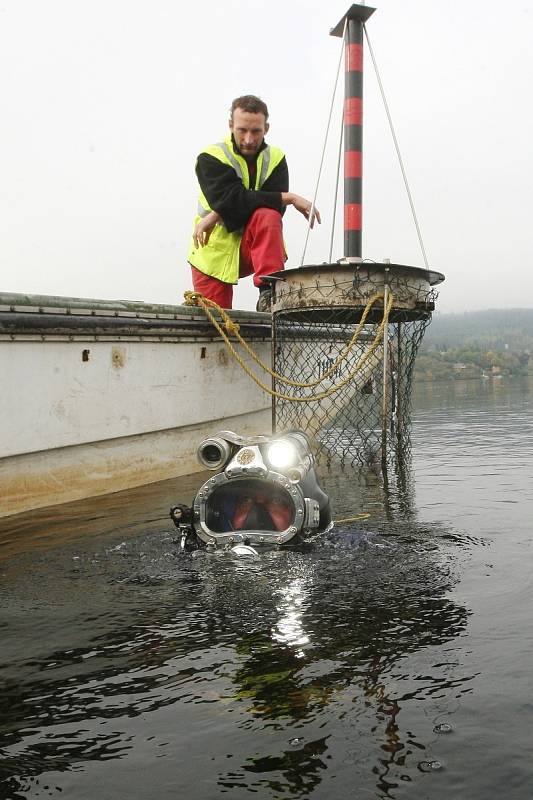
[{"x": 220, "y": 256}]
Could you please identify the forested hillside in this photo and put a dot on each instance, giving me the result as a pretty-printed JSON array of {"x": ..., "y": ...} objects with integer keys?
[{"x": 477, "y": 343}]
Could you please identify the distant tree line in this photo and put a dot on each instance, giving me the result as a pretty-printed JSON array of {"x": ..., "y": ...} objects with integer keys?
[{"x": 489, "y": 343}]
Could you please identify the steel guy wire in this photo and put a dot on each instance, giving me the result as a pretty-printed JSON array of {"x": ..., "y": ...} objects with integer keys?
[
  {"x": 396, "y": 145},
  {"x": 324, "y": 146}
]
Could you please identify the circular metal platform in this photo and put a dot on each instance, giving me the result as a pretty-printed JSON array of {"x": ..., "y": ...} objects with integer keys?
[{"x": 321, "y": 288}]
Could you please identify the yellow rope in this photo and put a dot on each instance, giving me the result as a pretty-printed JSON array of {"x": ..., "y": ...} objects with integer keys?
[
  {"x": 197, "y": 299},
  {"x": 364, "y": 515}
]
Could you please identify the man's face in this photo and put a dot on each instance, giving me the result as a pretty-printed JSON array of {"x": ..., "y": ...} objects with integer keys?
[{"x": 248, "y": 130}]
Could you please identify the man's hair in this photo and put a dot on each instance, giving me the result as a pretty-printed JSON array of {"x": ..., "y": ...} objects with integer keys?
[{"x": 251, "y": 104}]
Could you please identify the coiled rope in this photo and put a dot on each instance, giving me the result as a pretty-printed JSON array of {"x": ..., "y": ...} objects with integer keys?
[{"x": 228, "y": 326}]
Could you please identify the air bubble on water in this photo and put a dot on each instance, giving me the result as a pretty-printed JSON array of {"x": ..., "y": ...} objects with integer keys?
[
  {"x": 429, "y": 766},
  {"x": 443, "y": 727}
]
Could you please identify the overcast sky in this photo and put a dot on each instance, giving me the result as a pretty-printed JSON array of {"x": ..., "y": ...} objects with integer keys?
[{"x": 106, "y": 103}]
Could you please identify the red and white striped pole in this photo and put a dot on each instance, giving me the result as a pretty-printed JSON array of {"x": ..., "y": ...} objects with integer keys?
[{"x": 351, "y": 26}]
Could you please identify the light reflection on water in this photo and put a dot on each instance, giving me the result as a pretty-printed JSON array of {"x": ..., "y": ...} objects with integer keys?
[
  {"x": 290, "y": 629},
  {"x": 131, "y": 671}
]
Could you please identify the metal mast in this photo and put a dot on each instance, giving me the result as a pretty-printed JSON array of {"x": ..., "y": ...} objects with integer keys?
[{"x": 351, "y": 26}]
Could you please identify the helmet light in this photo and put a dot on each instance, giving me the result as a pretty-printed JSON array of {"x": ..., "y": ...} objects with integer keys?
[{"x": 282, "y": 454}]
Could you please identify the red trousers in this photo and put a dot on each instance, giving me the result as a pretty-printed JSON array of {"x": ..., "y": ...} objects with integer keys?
[{"x": 262, "y": 252}]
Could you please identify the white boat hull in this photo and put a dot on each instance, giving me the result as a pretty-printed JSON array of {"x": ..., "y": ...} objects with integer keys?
[{"x": 86, "y": 411}]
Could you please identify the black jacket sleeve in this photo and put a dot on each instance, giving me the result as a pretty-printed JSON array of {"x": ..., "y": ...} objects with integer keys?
[{"x": 227, "y": 196}]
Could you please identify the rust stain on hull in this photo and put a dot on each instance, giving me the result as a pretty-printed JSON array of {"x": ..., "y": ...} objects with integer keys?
[{"x": 51, "y": 477}]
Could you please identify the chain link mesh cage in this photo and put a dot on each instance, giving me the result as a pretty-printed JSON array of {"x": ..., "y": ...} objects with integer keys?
[{"x": 352, "y": 367}]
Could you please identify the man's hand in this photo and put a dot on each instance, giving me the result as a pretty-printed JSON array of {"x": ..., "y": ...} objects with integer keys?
[
  {"x": 302, "y": 205},
  {"x": 202, "y": 230}
]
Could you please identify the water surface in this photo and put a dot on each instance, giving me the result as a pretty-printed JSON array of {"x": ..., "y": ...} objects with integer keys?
[{"x": 390, "y": 659}]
